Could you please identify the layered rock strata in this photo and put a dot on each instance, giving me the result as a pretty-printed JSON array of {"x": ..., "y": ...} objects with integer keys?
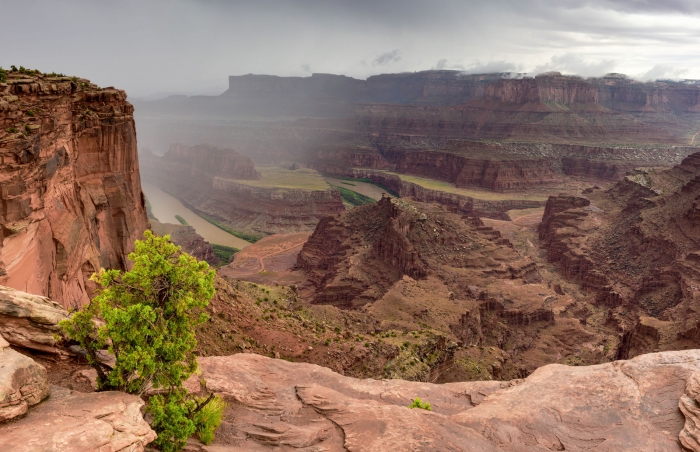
[
  {"x": 71, "y": 191},
  {"x": 30, "y": 321},
  {"x": 355, "y": 257},
  {"x": 223, "y": 195},
  {"x": 622, "y": 406},
  {"x": 634, "y": 246},
  {"x": 465, "y": 205}
]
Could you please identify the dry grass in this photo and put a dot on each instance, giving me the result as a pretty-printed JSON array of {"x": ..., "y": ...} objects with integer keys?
[{"x": 276, "y": 177}]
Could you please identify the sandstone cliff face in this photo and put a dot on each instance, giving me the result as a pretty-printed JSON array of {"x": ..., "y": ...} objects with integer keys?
[
  {"x": 71, "y": 191},
  {"x": 635, "y": 247},
  {"x": 543, "y": 89},
  {"x": 217, "y": 193}
]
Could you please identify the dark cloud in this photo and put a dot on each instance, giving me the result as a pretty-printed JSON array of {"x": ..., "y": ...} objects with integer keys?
[
  {"x": 387, "y": 57},
  {"x": 191, "y": 46}
]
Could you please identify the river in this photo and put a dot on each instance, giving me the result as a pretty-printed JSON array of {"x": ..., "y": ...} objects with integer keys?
[{"x": 165, "y": 207}]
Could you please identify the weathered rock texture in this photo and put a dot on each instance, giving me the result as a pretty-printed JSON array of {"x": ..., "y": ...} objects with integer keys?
[
  {"x": 636, "y": 247},
  {"x": 218, "y": 193},
  {"x": 73, "y": 421},
  {"x": 353, "y": 258},
  {"x": 621, "y": 406},
  {"x": 411, "y": 264},
  {"x": 186, "y": 237},
  {"x": 23, "y": 382},
  {"x": 71, "y": 191},
  {"x": 30, "y": 321}
]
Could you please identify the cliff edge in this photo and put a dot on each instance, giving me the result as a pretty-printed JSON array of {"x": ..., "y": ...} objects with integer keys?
[{"x": 71, "y": 190}]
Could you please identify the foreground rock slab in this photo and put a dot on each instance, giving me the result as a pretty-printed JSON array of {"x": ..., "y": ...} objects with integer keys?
[
  {"x": 621, "y": 406},
  {"x": 72, "y": 421},
  {"x": 30, "y": 321},
  {"x": 23, "y": 382}
]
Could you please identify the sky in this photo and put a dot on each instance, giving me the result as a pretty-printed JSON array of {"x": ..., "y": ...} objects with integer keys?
[{"x": 154, "y": 48}]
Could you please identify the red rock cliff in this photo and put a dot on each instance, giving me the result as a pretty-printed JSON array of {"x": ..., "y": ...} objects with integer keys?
[{"x": 71, "y": 190}]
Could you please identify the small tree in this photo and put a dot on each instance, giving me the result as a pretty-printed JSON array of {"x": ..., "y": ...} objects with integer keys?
[{"x": 146, "y": 318}]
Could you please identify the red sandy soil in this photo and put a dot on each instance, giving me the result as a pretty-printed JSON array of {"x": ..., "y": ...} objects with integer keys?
[{"x": 268, "y": 261}]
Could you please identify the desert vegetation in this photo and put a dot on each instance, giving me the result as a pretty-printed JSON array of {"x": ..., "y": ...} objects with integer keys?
[{"x": 146, "y": 318}]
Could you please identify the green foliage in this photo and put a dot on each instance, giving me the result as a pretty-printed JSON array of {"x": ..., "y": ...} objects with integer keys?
[
  {"x": 146, "y": 318},
  {"x": 12, "y": 130},
  {"x": 418, "y": 403},
  {"x": 30, "y": 113},
  {"x": 3, "y": 75},
  {"x": 369, "y": 181},
  {"x": 181, "y": 220},
  {"x": 223, "y": 252},
  {"x": 241, "y": 235},
  {"x": 13, "y": 68},
  {"x": 208, "y": 419},
  {"x": 354, "y": 198},
  {"x": 171, "y": 419}
]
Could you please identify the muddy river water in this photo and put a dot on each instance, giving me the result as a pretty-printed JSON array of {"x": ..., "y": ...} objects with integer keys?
[{"x": 165, "y": 207}]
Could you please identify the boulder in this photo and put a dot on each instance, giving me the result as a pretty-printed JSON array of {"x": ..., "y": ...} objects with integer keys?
[
  {"x": 30, "y": 321},
  {"x": 23, "y": 383},
  {"x": 71, "y": 421}
]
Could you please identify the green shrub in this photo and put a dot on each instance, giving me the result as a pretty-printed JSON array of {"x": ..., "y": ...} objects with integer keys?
[
  {"x": 171, "y": 420},
  {"x": 3, "y": 75},
  {"x": 223, "y": 252},
  {"x": 418, "y": 403},
  {"x": 181, "y": 220},
  {"x": 208, "y": 419},
  {"x": 149, "y": 315},
  {"x": 354, "y": 198}
]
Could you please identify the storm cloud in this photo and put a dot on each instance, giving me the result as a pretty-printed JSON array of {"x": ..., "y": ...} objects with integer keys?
[{"x": 191, "y": 46}]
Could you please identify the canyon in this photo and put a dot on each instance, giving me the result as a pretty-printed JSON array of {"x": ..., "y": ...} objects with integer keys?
[
  {"x": 216, "y": 183},
  {"x": 634, "y": 246},
  {"x": 531, "y": 270}
]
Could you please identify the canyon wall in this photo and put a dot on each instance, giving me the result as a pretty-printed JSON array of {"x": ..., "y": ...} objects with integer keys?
[
  {"x": 71, "y": 190},
  {"x": 465, "y": 205},
  {"x": 219, "y": 191},
  {"x": 635, "y": 247}
]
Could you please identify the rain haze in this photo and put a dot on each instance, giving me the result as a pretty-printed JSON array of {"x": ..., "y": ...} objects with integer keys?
[{"x": 155, "y": 48}]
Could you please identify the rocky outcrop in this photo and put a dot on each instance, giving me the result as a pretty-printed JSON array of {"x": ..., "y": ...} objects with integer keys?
[
  {"x": 23, "y": 382},
  {"x": 222, "y": 196},
  {"x": 187, "y": 238},
  {"x": 622, "y": 406},
  {"x": 71, "y": 191},
  {"x": 634, "y": 247},
  {"x": 354, "y": 258},
  {"x": 72, "y": 421},
  {"x": 30, "y": 321}
]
